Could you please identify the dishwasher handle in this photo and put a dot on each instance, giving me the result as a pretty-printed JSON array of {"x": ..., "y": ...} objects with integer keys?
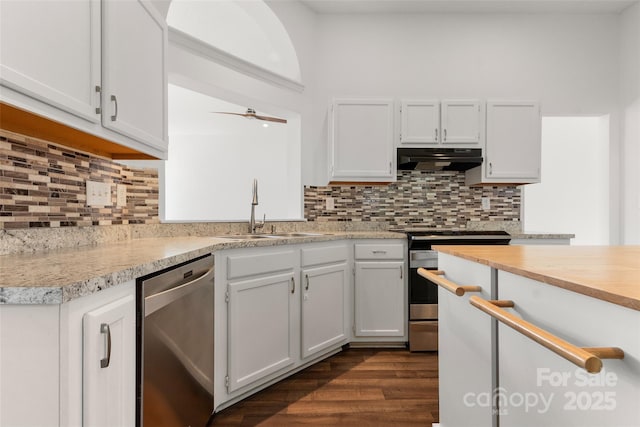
[{"x": 155, "y": 302}]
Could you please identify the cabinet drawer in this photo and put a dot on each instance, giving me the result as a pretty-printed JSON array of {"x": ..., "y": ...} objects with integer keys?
[
  {"x": 379, "y": 251},
  {"x": 325, "y": 255},
  {"x": 251, "y": 265}
]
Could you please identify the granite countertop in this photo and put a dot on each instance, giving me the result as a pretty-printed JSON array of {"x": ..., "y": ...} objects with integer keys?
[
  {"x": 609, "y": 273},
  {"x": 540, "y": 235},
  {"x": 60, "y": 275}
]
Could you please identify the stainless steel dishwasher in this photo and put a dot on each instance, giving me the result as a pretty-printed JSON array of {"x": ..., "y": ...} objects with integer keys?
[{"x": 175, "y": 346}]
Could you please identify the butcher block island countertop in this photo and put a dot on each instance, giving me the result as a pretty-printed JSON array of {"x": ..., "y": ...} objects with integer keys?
[{"x": 609, "y": 273}]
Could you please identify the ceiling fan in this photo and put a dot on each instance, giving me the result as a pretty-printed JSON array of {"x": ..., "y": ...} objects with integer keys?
[{"x": 251, "y": 114}]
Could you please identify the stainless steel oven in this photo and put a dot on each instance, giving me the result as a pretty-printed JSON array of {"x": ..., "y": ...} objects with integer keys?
[{"x": 423, "y": 294}]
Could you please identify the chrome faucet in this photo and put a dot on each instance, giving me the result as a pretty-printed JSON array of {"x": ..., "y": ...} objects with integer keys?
[{"x": 254, "y": 202}]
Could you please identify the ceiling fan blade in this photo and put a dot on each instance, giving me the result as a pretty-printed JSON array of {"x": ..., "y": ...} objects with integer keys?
[
  {"x": 233, "y": 114},
  {"x": 270, "y": 119}
]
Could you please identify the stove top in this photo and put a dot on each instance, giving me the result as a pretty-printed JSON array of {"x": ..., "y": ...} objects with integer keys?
[
  {"x": 424, "y": 238},
  {"x": 441, "y": 232}
]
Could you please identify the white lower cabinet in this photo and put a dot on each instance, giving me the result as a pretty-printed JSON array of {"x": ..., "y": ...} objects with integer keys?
[
  {"x": 50, "y": 361},
  {"x": 324, "y": 305},
  {"x": 538, "y": 387},
  {"x": 109, "y": 368},
  {"x": 379, "y": 296},
  {"x": 464, "y": 347},
  {"x": 491, "y": 374},
  {"x": 277, "y": 309},
  {"x": 261, "y": 333},
  {"x": 380, "y": 291}
]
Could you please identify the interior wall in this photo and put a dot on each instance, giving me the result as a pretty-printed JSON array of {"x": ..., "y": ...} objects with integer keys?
[
  {"x": 568, "y": 62},
  {"x": 630, "y": 123},
  {"x": 574, "y": 193}
]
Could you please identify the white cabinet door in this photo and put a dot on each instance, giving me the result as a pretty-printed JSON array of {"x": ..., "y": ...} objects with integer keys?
[
  {"x": 464, "y": 347},
  {"x": 324, "y": 309},
  {"x": 109, "y": 364},
  {"x": 461, "y": 122},
  {"x": 361, "y": 140},
  {"x": 538, "y": 387},
  {"x": 420, "y": 122},
  {"x": 261, "y": 320},
  {"x": 50, "y": 51},
  {"x": 513, "y": 145},
  {"x": 379, "y": 299},
  {"x": 134, "y": 71}
]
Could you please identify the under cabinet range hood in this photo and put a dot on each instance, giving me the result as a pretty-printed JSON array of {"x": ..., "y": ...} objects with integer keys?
[{"x": 439, "y": 159}]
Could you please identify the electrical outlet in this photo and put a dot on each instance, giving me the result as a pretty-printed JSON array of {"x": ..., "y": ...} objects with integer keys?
[
  {"x": 330, "y": 204},
  {"x": 486, "y": 204},
  {"x": 121, "y": 195},
  {"x": 98, "y": 193}
]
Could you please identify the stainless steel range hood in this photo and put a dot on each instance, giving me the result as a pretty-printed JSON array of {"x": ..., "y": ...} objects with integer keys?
[{"x": 439, "y": 159}]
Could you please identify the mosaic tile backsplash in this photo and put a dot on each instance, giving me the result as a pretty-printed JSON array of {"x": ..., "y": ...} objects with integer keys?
[
  {"x": 417, "y": 199},
  {"x": 43, "y": 185}
]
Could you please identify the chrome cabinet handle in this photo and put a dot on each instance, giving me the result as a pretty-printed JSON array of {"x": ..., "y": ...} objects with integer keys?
[
  {"x": 115, "y": 100},
  {"x": 445, "y": 135},
  {"x": 490, "y": 168},
  {"x": 401, "y": 271},
  {"x": 436, "y": 134},
  {"x": 306, "y": 288},
  {"x": 105, "y": 329},
  {"x": 293, "y": 285},
  {"x": 379, "y": 252}
]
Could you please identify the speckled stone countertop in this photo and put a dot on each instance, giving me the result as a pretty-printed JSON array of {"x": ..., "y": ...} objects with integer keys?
[
  {"x": 535, "y": 235},
  {"x": 60, "y": 275}
]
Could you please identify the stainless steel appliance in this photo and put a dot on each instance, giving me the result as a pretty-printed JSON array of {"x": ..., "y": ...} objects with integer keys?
[
  {"x": 175, "y": 346},
  {"x": 423, "y": 294},
  {"x": 438, "y": 159}
]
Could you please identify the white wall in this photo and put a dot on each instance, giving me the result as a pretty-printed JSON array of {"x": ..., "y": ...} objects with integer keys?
[
  {"x": 573, "y": 196},
  {"x": 569, "y": 63},
  {"x": 630, "y": 123}
]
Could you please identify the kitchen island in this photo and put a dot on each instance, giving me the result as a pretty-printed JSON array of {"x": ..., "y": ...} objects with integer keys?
[{"x": 584, "y": 298}]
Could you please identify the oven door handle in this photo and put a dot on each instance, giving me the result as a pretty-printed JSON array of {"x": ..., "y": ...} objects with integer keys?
[{"x": 450, "y": 286}]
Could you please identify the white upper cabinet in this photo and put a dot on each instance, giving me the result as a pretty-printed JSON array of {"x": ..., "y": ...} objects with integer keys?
[
  {"x": 450, "y": 122},
  {"x": 134, "y": 78},
  {"x": 50, "y": 51},
  {"x": 513, "y": 145},
  {"x": 361, "y": 140},
  {"x": 420, "y": 122},
  {"x": 460, "y": 122},
  {"x": 98, "y": 67}
]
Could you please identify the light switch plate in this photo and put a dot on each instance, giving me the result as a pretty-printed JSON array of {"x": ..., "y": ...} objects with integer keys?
[
  {"x": 121, "y": 195},
  {"x": 98, "y": 193}
]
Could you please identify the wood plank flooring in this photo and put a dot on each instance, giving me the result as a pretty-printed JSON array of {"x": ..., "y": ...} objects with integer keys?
[{"x": 364, "y": 387}]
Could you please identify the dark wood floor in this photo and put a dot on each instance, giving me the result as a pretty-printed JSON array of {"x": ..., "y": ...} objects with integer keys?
[{"x": 385, "y": 387}]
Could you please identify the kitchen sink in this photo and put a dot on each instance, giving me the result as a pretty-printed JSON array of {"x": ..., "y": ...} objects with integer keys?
[
  {"x": 273, "y": 236},
  {"x": 248, "y": 236},
  {"x": 299, "y": 234}
]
